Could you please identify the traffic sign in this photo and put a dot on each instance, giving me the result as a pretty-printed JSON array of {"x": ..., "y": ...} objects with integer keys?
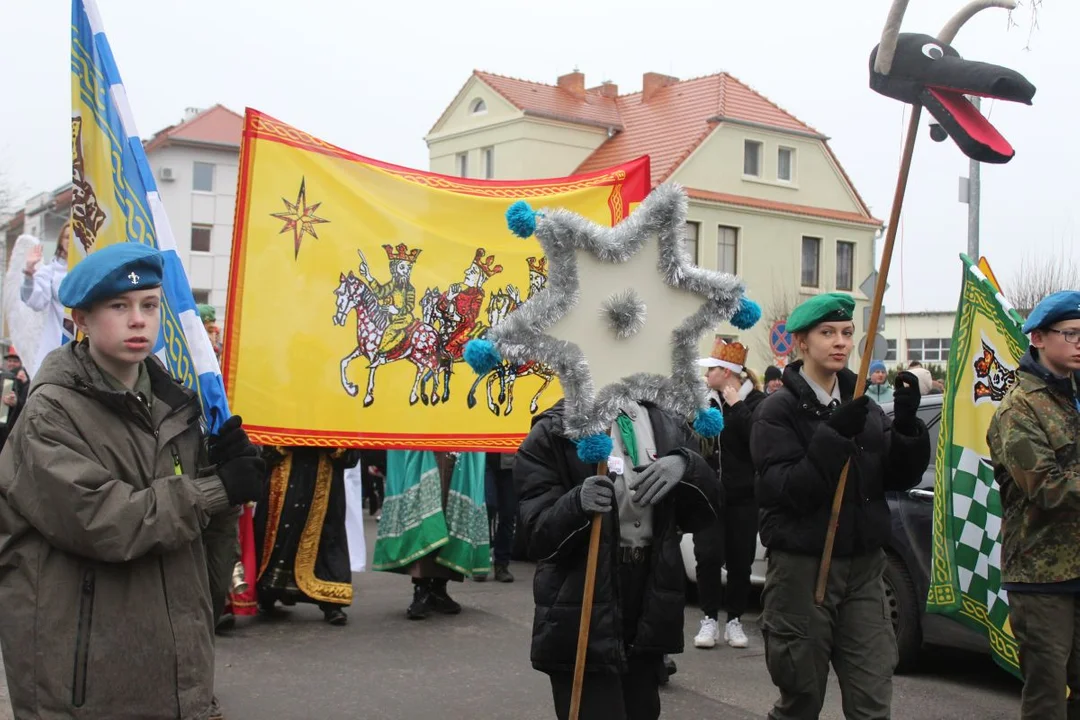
[
  {"x": 780, "y": 339},
  {"x": 867, "y": 286},
  {"x": 881, "y": 347},
  {"x": 866, "y": 319}
]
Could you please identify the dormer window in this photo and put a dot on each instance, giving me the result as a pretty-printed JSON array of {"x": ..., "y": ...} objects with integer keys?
[{"x": 478, "y": 107}]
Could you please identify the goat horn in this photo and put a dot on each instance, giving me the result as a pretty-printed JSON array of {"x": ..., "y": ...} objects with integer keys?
[
  {"x": 948, "y": 33},
  {"x": 889, "y": 36}
]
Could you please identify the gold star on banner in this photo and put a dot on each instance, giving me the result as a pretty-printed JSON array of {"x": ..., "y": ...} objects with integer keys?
[{"x": 300, "y": 218}]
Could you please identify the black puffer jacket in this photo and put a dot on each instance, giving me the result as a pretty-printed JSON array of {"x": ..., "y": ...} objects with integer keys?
[
  {"x": 549, "y": 474},
  {"x": 737, "y": 468},
  {"x": 799, "y": 459}
]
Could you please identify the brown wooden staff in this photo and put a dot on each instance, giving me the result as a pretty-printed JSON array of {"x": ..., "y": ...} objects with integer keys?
[
  {"x": 586, "y": 607},
  {"x": 871, "y": 335}
]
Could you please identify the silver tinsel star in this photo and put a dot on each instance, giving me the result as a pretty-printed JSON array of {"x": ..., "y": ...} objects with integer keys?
[{"x": 590, "y": 322}]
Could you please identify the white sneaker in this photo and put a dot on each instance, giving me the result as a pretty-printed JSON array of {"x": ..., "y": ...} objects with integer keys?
[
  {"x": 708, "y": 635},
  {"x": 734, "y": 635}
]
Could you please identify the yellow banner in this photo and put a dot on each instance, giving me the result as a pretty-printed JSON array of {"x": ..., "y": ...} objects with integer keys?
[{"x": 356, "y": 284}]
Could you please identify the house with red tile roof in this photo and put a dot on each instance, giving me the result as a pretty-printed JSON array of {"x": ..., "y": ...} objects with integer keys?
[
  {"x": 195, "y": 164},
  {"x": 769, "y": 199}
]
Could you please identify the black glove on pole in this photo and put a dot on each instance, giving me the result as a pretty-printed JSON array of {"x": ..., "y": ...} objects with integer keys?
[
  {"x": 230, "y": 442},
  {"x": 906, "y": 399},
  {"x": 849, "y": 419}
]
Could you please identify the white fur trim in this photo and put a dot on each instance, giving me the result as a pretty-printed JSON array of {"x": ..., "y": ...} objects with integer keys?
[{"x": 745, "y": 390}]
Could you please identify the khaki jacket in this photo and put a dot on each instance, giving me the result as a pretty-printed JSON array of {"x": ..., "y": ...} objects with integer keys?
[
  {"x": 103, "y": 583},
  {"x": 1034, "y": 441}
]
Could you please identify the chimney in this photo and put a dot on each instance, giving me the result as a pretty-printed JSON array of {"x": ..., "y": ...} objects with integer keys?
[
  {"x": 573, "y": 83},
  {"x": 190, "y": 113},
  {"x": 651, "y": 82},
  {"x": 606, "y": 89}
]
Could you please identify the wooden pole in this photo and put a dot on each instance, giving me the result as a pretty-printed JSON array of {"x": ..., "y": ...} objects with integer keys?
[
  {"x": 586, "y": 606},
  {"x": 871, "y": 335}
]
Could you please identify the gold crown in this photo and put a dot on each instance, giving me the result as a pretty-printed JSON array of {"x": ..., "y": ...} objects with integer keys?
[
  {"x": 401, "y": 252},
  {"x": 734, "y": 353},
  {"x": 486, "y": 264},
  {"x": 538, "y": 266}
]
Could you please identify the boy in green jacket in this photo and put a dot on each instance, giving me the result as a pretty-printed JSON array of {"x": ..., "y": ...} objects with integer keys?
[
  {"x": 106, "y": 489},
  {"x": 1034, "y": 446}
]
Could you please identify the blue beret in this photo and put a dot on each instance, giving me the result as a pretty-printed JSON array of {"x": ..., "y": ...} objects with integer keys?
[
  {"x": 112, "y": 271},
  {"x": 1064, "y": 305},
  {"x": 827, "y": 307}
]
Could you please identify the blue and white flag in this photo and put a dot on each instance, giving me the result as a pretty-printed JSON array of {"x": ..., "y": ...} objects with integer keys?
[{"x": 115, "y": 200}]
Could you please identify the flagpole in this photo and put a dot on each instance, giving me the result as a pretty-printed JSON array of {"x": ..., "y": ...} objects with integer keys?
[{"x": 871, "y": 333}]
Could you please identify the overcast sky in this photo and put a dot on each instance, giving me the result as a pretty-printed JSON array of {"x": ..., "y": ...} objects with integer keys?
[{"x": 374, "y": 76}]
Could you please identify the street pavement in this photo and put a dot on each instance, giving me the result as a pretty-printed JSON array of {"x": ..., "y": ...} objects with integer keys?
[{"x": 476, "y": 665}]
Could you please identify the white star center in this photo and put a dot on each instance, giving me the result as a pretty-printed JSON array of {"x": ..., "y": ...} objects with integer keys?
[{"x": 611, "y": 358}]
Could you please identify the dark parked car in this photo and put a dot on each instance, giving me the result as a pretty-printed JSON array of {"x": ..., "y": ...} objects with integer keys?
[{"x": 907, "y": 576}]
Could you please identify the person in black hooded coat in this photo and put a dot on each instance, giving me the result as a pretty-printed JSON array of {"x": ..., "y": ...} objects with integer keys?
[{"x": 639, "y": 598}]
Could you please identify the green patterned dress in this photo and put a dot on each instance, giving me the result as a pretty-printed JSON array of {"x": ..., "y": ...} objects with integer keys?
[{"x": 416, "y": 522}]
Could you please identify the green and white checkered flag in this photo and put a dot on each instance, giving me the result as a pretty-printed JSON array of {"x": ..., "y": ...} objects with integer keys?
[{"x": 965, "y": 578}]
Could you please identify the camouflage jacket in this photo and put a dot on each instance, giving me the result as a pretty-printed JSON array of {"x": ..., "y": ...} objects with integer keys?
[{"x": 1034, "y": 441}]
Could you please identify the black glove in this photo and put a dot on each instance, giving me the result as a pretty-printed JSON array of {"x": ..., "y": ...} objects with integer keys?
[
  {"x": 849, "y": 419},
  {"x": 230, "y": 442},
  {"x": 906, "y": 399},
  {"x": 597, "y": 494},
  {"x": 243, "y": 479}
]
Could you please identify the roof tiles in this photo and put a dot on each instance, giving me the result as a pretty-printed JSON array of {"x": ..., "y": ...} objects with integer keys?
[{"x": 668, "y": 127}]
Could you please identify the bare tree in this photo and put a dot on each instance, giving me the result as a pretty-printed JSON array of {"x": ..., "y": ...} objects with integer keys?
[
  {"x": 1033, "y": 6},
  {"x": 1040, "y": 275}
]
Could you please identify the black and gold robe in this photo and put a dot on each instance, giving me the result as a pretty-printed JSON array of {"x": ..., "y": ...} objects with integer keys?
[{"x": 303, "y": 551}]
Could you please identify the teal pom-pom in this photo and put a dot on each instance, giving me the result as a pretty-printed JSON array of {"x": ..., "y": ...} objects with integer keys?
[
  {"x": 747, "y": 315},
  {"x": 593, "y": 449},
  {"x": 482, "y": 356},
  {"x": 521, "y": 219},
  {"x": 709, "y": 422}
]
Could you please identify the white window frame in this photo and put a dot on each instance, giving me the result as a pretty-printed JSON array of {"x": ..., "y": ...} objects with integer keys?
[
  {"x": 210, "y": 238},
  {"x": 747, "y": 143},
  {"x": 791, "y": 164},
  {"x": 194, "y": 175},
  {"x": 802, "y": 261},
  {"x": 693, "y": 244},
  {"x": 488, "y": 155},
  {"x": 461, "y": 163},
  {"x": 478, "y": 106},
  {"x": 851, "y": 275},
  {"x": 938, "y": 352},
  {"x": 720, "y": 246}
]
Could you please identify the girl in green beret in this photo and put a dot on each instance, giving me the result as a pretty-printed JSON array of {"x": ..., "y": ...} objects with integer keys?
[{"x": 803, "y": 435}]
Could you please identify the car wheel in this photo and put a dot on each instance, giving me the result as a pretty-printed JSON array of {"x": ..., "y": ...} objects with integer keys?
[{"x": 903, "y": 606}]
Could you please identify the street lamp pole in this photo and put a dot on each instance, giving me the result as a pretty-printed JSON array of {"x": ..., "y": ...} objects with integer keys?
[{"x": 974, "y": 191}]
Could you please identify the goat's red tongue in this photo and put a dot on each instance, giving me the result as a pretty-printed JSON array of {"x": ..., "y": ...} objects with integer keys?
[{"x": 971, "y": 120}]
